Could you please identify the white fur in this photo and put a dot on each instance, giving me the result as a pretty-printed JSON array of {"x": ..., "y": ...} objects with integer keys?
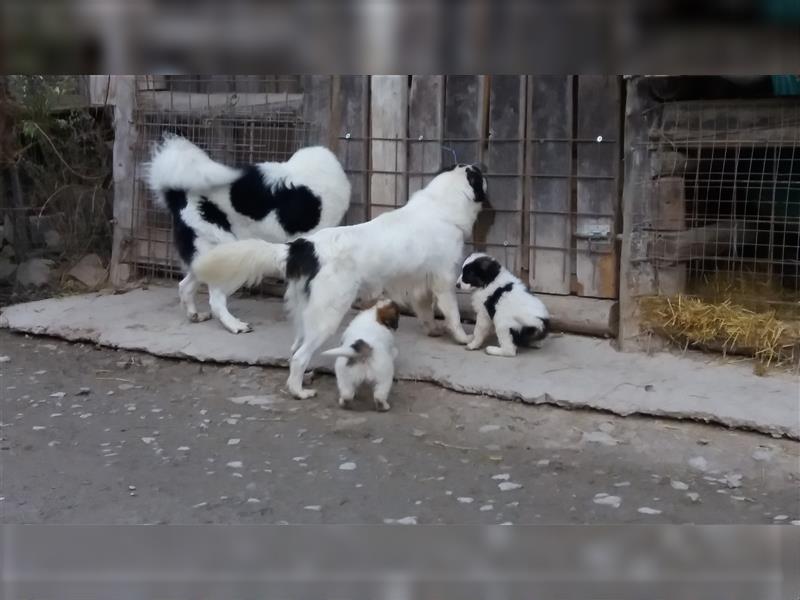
[
  {"x": 373, "y": 366},
  {"x": 414, "y": 250},
  {"x": 179, "y": 164},
  {"x": 515, "y": 308}
]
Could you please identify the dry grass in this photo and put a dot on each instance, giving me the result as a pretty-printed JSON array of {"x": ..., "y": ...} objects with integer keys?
[{"x": 724, "y": 325}]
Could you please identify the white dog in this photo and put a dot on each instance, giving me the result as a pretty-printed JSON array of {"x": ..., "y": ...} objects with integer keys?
[
  {"x": 501, "y": 300},
  {"x": 367, "y": 354},
  {"x": 411, "y": 252},
  {"x": 211, "y": 204}
]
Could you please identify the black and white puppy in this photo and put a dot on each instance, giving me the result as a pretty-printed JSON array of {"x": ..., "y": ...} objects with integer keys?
[
  {"x": 212, "y": 203},
  {"x": 501, "y": 300},
  {"x": 367, "y": 353}
]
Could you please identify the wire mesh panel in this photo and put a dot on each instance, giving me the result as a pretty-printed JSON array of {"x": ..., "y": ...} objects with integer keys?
[
  {"x": 725, "y": 202},
  {"x": 237, "y": 120}
]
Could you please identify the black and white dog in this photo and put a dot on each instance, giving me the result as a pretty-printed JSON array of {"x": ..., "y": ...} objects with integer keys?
[
  {"x": 212, "y": 203},
  {"x": 502, "y": 301},
  {"x": 412, "y": 252}
]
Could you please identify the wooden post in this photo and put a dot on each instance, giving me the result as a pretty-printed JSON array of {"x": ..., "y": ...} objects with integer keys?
[
  {"x": 389, "y": 126},
  {"x": 670, "y": 208},
  {"x": 317, "y": 107},
  {"x": 636, "y": 276},
  {"x": 124, "y": 141}
]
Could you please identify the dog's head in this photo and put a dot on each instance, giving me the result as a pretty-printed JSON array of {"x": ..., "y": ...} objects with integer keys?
[
  {"x": 478, "y": 271},
  {"x": 460, "y": 192},
  {"x": 472, "y": 175},
  {"x": 387, "y": 313}
]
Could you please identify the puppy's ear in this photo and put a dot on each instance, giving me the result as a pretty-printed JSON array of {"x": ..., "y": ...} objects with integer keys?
[{"x": 389, "y": 315}]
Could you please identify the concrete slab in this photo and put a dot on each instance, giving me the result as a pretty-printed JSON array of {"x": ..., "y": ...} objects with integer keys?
[{"x": 570, "y": 371}]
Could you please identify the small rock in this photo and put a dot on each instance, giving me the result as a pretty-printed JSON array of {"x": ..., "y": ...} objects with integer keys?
[
  {"x": 34, "y": 272},
  {"x": 84, "y": 391},
  {"x": 234, "y": 464},
  {"x": 89, "y": 271},
  {"x": 678, "y": 485},
  {"x": 699, "y": 463},
  {"x": 131, "y": 487},
  {"x": 402, "y": 521},
  {"x": 488, "y": 428},
  {"x": 314, "y": 507},
  {"x": 780, "y": 517},
  {"x": 57, "y": 395},
  {"x": 507, "y": 486},
  {"x": 542, "y": 463},
  {"x": 599, "y": 437},
  {"x": 465, "y": 500},
  {"x": 148, "y": 440},
  {"x": 763, "y": 455},
  {"x": 501, "y": 477},
  {"x": 377, "y": 440},
  {"x": 418, "y": 433},
  {"x": 5, "y": 359},
  {"x": 125, "y": 386},
  {"x": 733, "y": 480},
  {"x": 486, "y": 507},
  {"x": 233, "y": 441},
  {"x": 348, "y": 466},
  {"x": 646, "y": 510},
  {"x": 607, "y": 500}
]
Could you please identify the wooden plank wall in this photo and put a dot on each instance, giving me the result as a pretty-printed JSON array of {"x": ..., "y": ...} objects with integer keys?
[
  {"x": 550, "y": 168},
  {"x": 389, "y": 127},
  {"x": 425, "y": 129},
  {"x": 352, "y": 145},
  {"x": 597, "y": 172}
]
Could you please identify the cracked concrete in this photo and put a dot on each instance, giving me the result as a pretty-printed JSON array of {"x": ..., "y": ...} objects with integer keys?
[{"x": 570, "y": 371}]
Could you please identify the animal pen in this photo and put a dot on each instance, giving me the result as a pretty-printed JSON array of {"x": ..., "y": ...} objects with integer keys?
[{"x": 710, "y": 202}]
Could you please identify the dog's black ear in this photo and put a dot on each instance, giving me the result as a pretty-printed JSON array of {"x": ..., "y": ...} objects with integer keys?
[
  {"x": 477, "y": 182},
  {"x": 489, "y": 269}
]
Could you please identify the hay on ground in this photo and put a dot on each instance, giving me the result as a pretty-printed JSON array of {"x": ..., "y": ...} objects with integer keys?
[{"x": 725, "y": 326}]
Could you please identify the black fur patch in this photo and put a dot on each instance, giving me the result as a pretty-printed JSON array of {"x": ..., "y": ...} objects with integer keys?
[
  {"x": 213, "y": 214},
  {"x": 184, "y": 235},
  {"x": 491, "y": 301},
  {"x": 298, "y": 208},
  {"x": 302, "y": 261},
  {"x": 481, "y": 272},
  {"x": 362, "y": 348},
  {"x": 525, "y": 336},
  {"x": 475, "y": 180}
]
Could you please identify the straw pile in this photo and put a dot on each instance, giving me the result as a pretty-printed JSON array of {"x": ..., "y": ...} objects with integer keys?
[{"x": 724, "y": 326}]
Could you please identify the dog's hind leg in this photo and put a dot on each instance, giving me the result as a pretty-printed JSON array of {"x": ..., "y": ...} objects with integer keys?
[
  {"x": 219, "y": 307},
  {"x": 446, "y": 300},
  {"x": 507, "y": 346},
  {"x": 319, "y": 323},
  {"x": 422, "y": 304},
  {"x": 347, "y": 388},
  {"x": 187, "y": 291}
]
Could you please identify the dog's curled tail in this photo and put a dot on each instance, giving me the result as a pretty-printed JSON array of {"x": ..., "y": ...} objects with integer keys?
[
  {"x": 231, "y": 265},
  {"x": 358, "y": 350},
  {"x": 177, "y": 164}
]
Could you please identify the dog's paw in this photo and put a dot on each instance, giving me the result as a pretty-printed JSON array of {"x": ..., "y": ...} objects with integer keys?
[
  {"x": 345, "y": 403},
  {"x": 462, "y": 338},
  {"x": 498, "y": 351},
  {"x": 472, "y": 346},
  {"x": 435, "y": 330},
  {"x": 303, "y": 393},
  {"x": 381, "y": 405},
  {"x": 241, "y": 327},
  {"x": 199, "y": 317}
]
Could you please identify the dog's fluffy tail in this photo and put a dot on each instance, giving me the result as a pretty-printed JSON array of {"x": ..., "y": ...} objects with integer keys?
[
  {"x": 177, "y": 164},
  {"x": 358, "y": 350},
  {"x": 232, "y": 265}
]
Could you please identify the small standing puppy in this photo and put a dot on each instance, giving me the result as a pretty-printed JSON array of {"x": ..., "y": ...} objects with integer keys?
[
  {"x": 501, "y": 299},
  {"x": 367, "y": 354}
]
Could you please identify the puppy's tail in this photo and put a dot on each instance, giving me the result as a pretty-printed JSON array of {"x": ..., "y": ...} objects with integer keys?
[
  {"x": 358, "y": 350},
  {"x": 232, "y": 265},
  {"x": 178, "y": 165}
]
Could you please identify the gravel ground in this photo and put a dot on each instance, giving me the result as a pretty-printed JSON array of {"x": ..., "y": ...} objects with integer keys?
[{"x": 93, "y": 435}]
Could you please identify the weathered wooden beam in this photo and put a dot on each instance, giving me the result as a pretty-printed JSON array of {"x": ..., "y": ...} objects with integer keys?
[
  {"x": 123, "y": 171},
  {"x": 425, "y": 128},
  {"x": 389, "y": 124}
]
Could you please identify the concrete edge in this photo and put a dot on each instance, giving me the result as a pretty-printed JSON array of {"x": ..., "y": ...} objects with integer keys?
[{"x": 95, "y": 337}]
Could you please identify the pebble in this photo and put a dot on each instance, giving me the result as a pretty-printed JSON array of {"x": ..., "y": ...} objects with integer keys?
[
  {"x": 646, "y": 510},
  {"x": 377, "y": 440},
  {"x": 762, "y": 455},
  {"x": 84, "y": 391},
  {"x": 5, "y": 359},
  {"x": 348, "y": 466},
  {"x": 607, "y": 500},
  {"x": 678, "y": 485},
  {"x": 234, "y": 464},
  {"x": 58, "y": 395},
  {"x": 125, "y": 386},
  {"x": 183, "y": 448},
  {"x": 699, "y": 463},
  {"x": 233, "y": 441},
  {"x": 488, "y": 428},
  {"x": 148, "y": 440},
  {"x": 401, "y": 521},
  {"x": 507, "y": 486},
  {"x": 465, "y": 500},
  {"x": 315, "y": 507},
  {"x": 486, "y": 507},
  {"x": 502, "y": 476},
  {"x": 599, "y": 437},
  {"x": 780, "y": 517}
]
